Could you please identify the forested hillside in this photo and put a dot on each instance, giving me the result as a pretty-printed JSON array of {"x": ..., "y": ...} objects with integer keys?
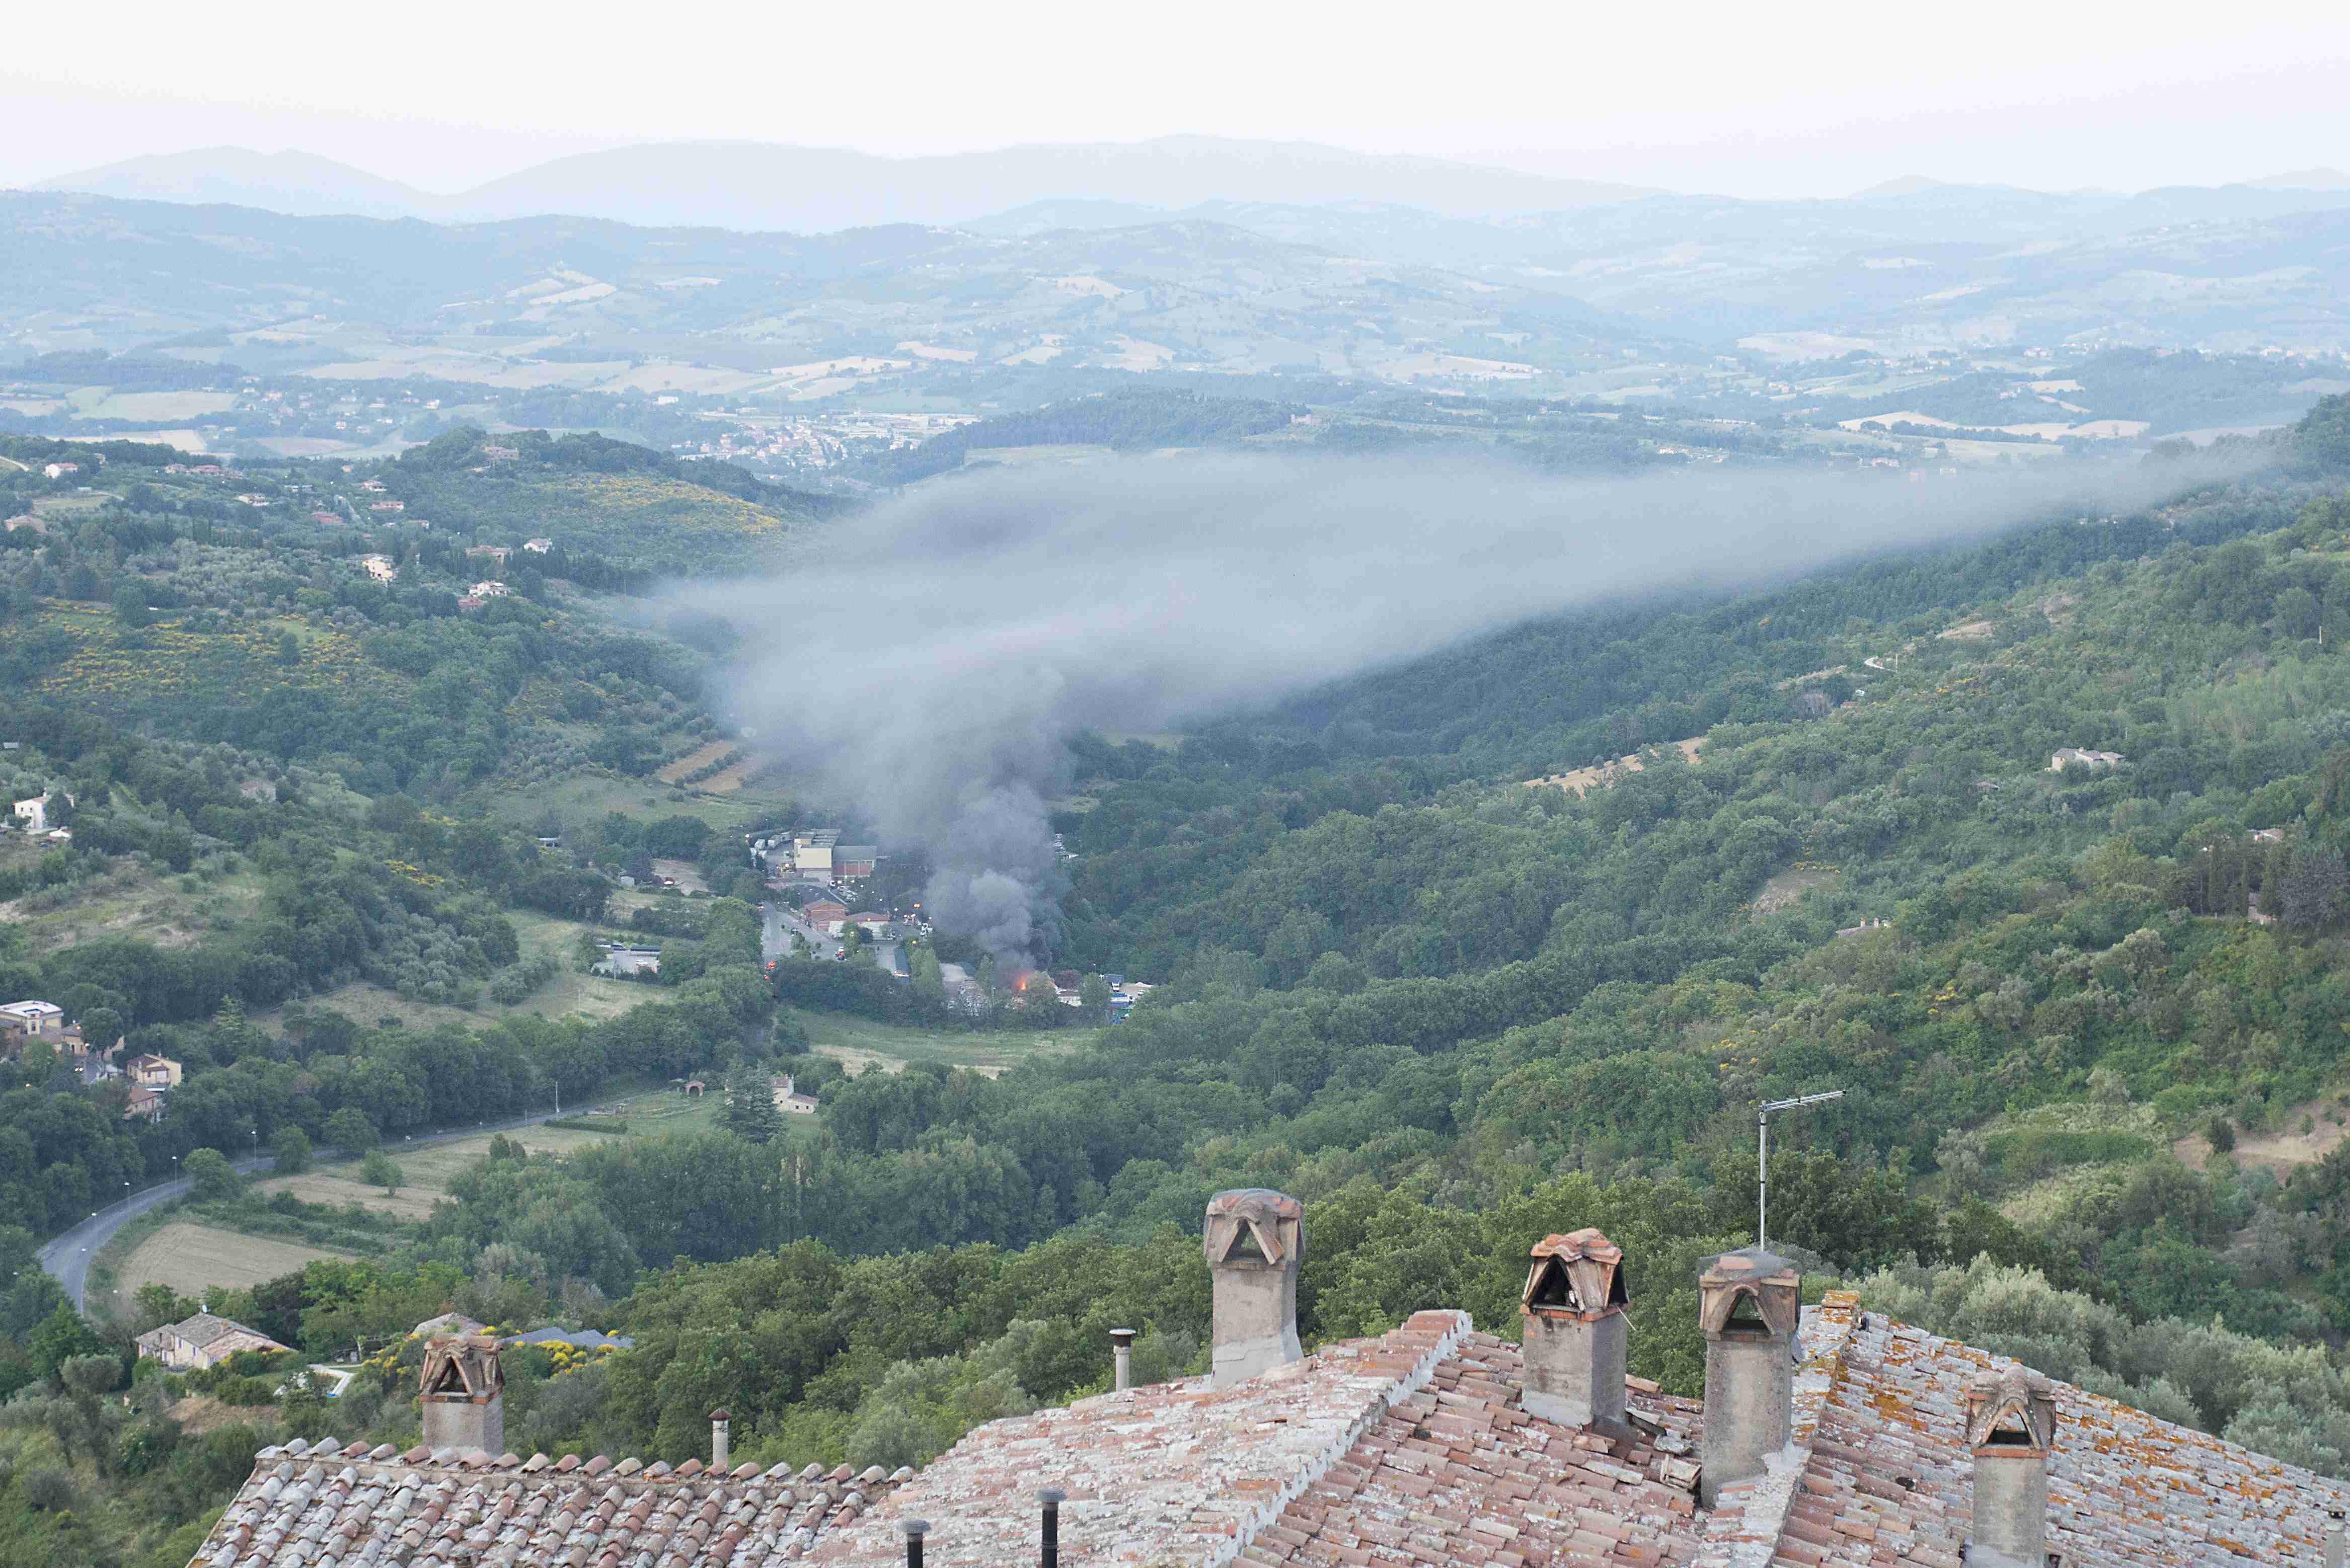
[{"x": 1434, "y": 955}]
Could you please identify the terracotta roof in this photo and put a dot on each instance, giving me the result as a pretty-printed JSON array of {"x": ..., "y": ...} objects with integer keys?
[
  {"x": 1887, "y": 1478},
  {"x": 1458, "y": 1473},
  {"x": 204, "y": 1329},
  {"x": 1175, "y": 1472},
  {"x": 327, "y": 1505},
  {"x": 1409, "y": 1450}
]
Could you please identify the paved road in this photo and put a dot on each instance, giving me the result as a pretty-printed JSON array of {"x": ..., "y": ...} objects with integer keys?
[{"x": 67, "y": 1257}]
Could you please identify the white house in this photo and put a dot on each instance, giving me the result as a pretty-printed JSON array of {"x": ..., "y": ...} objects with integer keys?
[
  {"x": 621, "y": 959},
  {"x": 538, "y": 547},
  {"x": 60, "y": 470},
  {"x": 34, "y": 812},
  {"x": 2092, "y": 760},
  {"x": 380, "y": 567},
  {"x": 493, "y": 590}
]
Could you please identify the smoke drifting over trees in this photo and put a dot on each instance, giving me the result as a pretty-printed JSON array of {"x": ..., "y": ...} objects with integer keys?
[{"x": 932, "y": 668}]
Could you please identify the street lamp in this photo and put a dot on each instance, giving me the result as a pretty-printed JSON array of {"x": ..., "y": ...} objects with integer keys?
[{"x": 1763, "y": 1158}]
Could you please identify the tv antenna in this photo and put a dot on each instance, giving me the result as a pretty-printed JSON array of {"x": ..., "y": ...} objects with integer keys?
[{"x": 1763, "y": 1158}]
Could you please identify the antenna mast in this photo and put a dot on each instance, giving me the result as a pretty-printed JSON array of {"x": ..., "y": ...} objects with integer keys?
[{"x": 1763, "y": 1158}]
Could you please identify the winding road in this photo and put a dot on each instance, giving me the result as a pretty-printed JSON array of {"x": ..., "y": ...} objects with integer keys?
[{"x": 66, "y": 1258}]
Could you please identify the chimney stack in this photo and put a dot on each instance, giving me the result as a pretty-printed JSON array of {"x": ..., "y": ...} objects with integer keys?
[
  {"x": 1750, "y": 1304},
  {"x": 2334, "y": 1553},
  {"x": 718, "y": 1454},
  {"x": 2011, "y": 1427},
  {"x": 1574, "y": 1321},
  {"x": 460, "y": 1393},
  {"x": 1252, "y": 1242},
  {"x": 1121, "y": 1351}
]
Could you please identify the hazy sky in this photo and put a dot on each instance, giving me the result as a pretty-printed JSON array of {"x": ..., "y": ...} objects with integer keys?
[{"x": 1818, "y": 100}]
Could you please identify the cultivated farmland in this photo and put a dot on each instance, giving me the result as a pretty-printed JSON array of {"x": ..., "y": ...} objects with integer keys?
[{"x": 192, "y": 1258}]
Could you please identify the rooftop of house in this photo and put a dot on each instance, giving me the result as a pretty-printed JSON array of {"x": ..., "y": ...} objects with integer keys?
[
  {"x": 1434, "y": 1444},
  {"x": 205, "y": 1328},
  {"x": 1885, "y": 1471},
  {"x": 328, "y": 1502}
]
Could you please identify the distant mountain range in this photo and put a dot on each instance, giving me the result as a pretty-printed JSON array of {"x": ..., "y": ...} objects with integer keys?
[
  {"x": 762, "y": 187},
  {"x": 1587, "y": 298}
]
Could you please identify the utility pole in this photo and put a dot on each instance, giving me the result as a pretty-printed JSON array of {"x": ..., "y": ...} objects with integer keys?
[{"x": 1763, "y": 1158}]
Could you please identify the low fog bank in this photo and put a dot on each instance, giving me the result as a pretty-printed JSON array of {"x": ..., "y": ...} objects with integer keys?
[{"x": 931, "y": 672}]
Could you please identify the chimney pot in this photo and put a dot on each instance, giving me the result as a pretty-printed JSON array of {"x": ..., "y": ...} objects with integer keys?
[
  {"x": 1750, "y": 1303},
  {"x": 1121, "y": 1350},
  {"x": 718, "y": 1454},
  {"x": 1052, "y": 1497},
  {"x": 1574, "y": 1323},
  {"x": 1253, "y": 1241},
  {"x": 915, "y": 1529},
  {"x": 2335, "y": 1548},
  {"x": 460, "y": 1393},
  {"x": 2011, "y": 1428}
]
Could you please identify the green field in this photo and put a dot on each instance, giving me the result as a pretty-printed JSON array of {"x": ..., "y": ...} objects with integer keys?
[
  {"x": 860, "y": 1043},
  {"x": 192, "y": 1258},
  {"x": 570, "y": 991},
  {"x": 427, "y": 1172},
  {"x": 127, "y": 899},
  {"x": 589, "y": 794}
]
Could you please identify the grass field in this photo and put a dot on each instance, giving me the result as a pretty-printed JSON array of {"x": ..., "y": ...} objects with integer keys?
[
  {"x": 163, "y": 408},
  {"x": 427, "y": 1172},
  {"x": 693, "y": 761},
  {"x": 192, "y": 1258},
  {"x": 587, "y": 795},
  {"x": 859, "y": 1045},
  {"x": 166, "y": 909},
  {"x": 69, "y": 505},
  {"x": 569, "y": 992}
]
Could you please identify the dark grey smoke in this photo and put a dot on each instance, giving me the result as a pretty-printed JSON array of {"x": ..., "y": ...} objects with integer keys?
[{"x": 930, "y": 669}]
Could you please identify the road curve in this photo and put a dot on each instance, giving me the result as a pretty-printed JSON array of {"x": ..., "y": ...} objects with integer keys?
[{"x": 66, "y": 1258}]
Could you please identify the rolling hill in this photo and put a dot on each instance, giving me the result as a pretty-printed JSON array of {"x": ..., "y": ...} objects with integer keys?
[{"x": 87, "y": 271}]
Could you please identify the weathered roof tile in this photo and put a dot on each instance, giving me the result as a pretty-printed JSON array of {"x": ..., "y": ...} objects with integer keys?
[{"x": 1411, "y": 1450}]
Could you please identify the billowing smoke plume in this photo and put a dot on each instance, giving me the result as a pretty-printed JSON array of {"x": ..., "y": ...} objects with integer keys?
[{"x": 929, "y": 669}]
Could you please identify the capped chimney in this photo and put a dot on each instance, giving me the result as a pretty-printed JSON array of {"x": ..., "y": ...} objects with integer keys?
[
  {"x": 1573, "y": 1314},
  {"x": 720, "y": 1461},
  {"x": 2011, "y": 1427},
  {"x": 1121, "y": 1355},
  {"x": 1252, "y": 1240},
  {"x": 1750, "y": 1304},
  {"x": 2334, "y": 1542},
  {"x": 461, "y": 1394}
]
